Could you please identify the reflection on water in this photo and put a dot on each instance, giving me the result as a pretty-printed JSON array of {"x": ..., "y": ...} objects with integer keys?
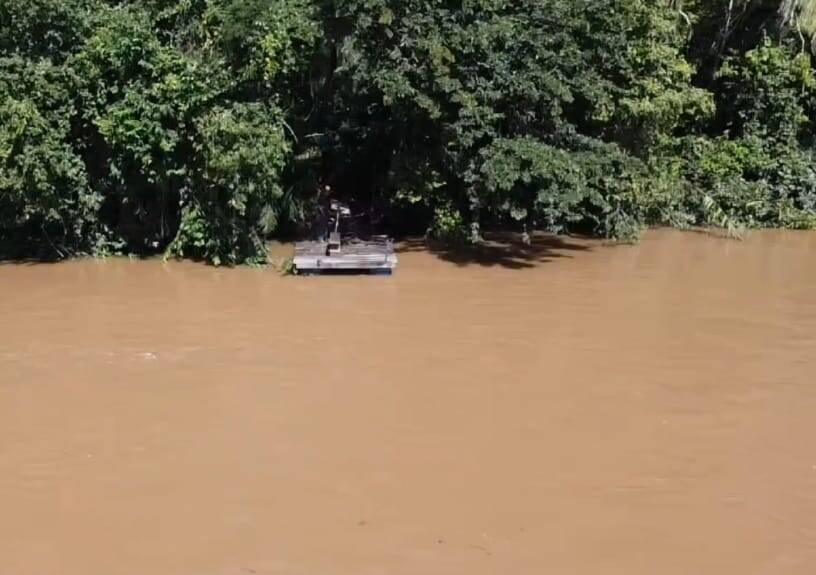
[{"x": 571, "y": 407}]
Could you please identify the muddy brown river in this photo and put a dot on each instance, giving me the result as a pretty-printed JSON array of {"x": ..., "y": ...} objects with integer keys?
[{"x": 576, "y": 408}]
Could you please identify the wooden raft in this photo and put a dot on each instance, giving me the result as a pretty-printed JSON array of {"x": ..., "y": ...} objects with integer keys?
[{"x": 375, "y": 255}]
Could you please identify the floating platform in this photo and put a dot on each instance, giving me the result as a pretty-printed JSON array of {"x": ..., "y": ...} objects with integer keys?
[{"x": 372, "y": 256}]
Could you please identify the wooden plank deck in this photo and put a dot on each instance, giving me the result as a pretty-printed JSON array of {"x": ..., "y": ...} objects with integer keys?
[{"x": 374, "y": 255}]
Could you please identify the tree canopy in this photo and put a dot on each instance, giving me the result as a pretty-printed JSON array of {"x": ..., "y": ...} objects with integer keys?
[{"x": 198, "y": 128}]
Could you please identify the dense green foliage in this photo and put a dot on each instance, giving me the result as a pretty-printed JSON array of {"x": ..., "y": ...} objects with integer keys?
[{"x": 198, "y": 128}]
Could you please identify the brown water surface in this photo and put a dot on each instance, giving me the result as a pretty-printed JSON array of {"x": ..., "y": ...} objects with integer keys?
[{"x": 576, "y": 409}]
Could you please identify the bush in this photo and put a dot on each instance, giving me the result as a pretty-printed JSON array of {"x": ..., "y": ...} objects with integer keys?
[
  {"x": 231, "y": 205},
  {"x": 46, "y": 203}
]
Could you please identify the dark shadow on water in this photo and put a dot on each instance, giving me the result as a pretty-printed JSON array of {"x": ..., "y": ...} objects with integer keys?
[
  {"x": 31, "y": 261},
  {"x": 27, "y": 261},
  {"x": 506, "y": 250},
  {"x": 8, "y": 258},
  {"x": 20, "y": 263},
  {"x": 503, "y": 250}
]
